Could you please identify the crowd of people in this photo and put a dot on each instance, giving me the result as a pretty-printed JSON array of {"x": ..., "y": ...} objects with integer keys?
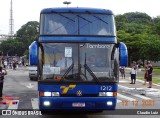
[
  {"x": 133, "y": 73},
  {"x": 4, "y": 65},
  {"x": 11, "y": 63}
]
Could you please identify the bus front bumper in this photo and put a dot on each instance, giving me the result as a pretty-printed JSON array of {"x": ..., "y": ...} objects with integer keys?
[{"x": 77, "y": 103}]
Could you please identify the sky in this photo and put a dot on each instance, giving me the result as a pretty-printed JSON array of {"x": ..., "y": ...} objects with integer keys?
[{"x": 29, "y": 10}]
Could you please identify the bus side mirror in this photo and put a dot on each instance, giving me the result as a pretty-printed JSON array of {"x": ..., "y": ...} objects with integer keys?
[
  {"x": 123, "y": 54},
  {"x": 33, "y": 53}
]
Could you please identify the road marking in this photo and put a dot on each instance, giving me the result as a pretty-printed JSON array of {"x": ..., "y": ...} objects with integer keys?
[
  {"x": 123, "y": 81},
  {"x": 125, "y": 87},
  {"x": 14, "y": 106},
  {"x": 140, "y": 96},
  {"x": 30, "y": 85},
  {"x": 152, "y": 90},
  {"x": 34, "y": 102},
  {"x": 155, "y": 94},
  {"x": 118, "y": 101},
  {"x": 125, "y": 97}
]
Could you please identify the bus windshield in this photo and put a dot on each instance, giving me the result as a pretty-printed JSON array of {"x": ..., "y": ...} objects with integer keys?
[
  {"x": 79, "y": 62},
  {"x": 77, "y": 24}
]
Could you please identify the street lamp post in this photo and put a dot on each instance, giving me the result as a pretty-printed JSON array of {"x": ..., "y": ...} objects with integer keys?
[{"x": 67, "y": 3}]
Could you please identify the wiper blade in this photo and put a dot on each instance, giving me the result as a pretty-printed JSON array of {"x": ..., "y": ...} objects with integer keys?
[
  {"x": 64, "y": 16},
  {"x": 69, "y": 69},
  {"x": 100, "y": 19},
  {"x": 84, "y": 18},
  {"x": 91, "y": 73},
  {"x": 97, "y": 17}
]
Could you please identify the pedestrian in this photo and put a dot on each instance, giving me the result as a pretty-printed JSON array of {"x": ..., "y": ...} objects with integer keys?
[
  {"x": 10, "y": 64},
  {"x": 122, "y": 71},
  {"x": 133, "y": 73},
  {"x": 145, "y": 75},
  {"x": 149, "y": 71},
  {"x": 3, "y": 72},
  {"x": 5, "y": 63},
  {"x": 14, "y": 65}
]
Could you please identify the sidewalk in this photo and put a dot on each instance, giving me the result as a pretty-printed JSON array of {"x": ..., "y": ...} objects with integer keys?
[{"x": 138, "y": 87}]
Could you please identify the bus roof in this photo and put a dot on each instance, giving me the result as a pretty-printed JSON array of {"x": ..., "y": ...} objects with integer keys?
[{"x": 76, "y": 10}]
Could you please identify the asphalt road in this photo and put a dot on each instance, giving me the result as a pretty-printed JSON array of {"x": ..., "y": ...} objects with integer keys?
[{"x": 18, "y": 85}]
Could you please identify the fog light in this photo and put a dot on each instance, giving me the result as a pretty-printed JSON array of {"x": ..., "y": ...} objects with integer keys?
[
  {"x": 46, "y": 103},
  {"x": 109, "y": 103}
]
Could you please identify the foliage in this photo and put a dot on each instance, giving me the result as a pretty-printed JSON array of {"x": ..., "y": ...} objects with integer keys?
[
  {"x": 11, "y": 47},
  {"x": 141, "y": 34},
  {"x": 138, "y": 31},
  {"x": 154, "y": 80},
  {"x": 24, "y": 37}
]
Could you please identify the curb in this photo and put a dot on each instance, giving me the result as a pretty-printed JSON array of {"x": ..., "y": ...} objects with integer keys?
[
  {"x": 142, "y": 91},
  {"x": 142, "y": 81}
]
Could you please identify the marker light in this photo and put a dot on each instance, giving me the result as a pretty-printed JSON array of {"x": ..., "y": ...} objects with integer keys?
[
  {"x": 46, "y": 103},
  {"x": 114, "y": 94},
  {"x": 109, "y": 103}
]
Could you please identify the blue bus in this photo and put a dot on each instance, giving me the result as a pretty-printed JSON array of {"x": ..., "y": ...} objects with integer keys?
[{"x": 78, "y": 59}]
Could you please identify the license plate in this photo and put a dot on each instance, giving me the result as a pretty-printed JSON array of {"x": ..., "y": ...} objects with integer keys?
[{"x": 78, "y": 104}]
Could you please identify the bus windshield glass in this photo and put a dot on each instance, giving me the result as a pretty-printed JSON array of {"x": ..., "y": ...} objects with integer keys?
[
  {"x": 77, "y": 24},
  {"x": 79, "y": 62}
]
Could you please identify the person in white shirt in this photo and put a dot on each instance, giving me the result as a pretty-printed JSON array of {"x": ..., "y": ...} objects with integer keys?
[
  {"x": 64, "y": 62},
  {"x": 5, "y": 64},
  {"x": 133, "y": 73}
]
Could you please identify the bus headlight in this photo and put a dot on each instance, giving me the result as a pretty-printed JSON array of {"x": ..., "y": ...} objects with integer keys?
[
  {"x": 102, "y": 93},
  {"x": 109, "y": 93},
  {"x": 55, "y": 93},
  {"x": 105, "y": 93},
  {"x": 47, "y": 93}
]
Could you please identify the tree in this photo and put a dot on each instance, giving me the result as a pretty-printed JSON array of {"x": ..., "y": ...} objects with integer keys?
[
  {"x": 141, "y": 34},
  {"x": 28, "y": 33},
  {"x": 11, "y": 47},
  {"x": 24, "y": 37}
]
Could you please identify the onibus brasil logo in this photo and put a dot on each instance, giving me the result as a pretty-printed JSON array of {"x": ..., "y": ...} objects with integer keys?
[{"x": 9, "y": 100}]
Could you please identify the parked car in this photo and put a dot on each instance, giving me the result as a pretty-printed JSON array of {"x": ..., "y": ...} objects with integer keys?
[{"x": 33, "y": 75}]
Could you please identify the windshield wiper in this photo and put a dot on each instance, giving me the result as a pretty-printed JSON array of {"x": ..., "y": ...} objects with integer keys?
[
  {"x": 91, "y": 73},
  {"x": 64, "y": 24},
  {"x": 64, "y": 16},
  {"x": 68, "y": 70},
  {"x": 78, "y": 22},
  {"x": 97, "y": 17},
  {"x": 84, "y": 18}
]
